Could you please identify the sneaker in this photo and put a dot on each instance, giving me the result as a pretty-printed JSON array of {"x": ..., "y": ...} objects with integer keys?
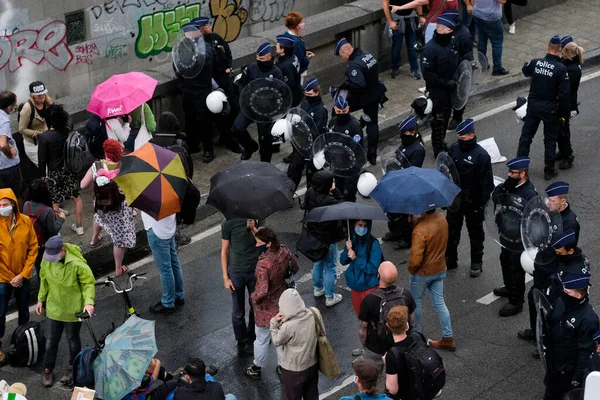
[
  {"x": 333, "y": 300},
  {"x": 510, "y": 309},
  {"x": 501, "y": 291},
  {"x": 526, "y": 334},
  {"x": 476, "y": 270},
  {"x": 48, "y": 378},
  {"x": 501, "y": 72},
  {"x": 67, "y": 377},
  {"x": 318, "y": 292},
  {"x": 158, "y": 308},
  {"x": 253, "y": 372},
  {"x": 77, "y": 229},
  {"x": 179, "y": 302},
  {"x": 512, "y": 29},
  {"x": 415, "y": 74},
  {"x": 394, "y": 73},
  {"x": 567, "y": 162}
]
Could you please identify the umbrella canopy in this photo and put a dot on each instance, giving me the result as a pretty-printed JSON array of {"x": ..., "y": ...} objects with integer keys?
[
  {"x": 127, "y": 354},
  {"x": 153, "y": 179},
  {"x": 414, "y": 190},
  {"x": 121, "y": 94},
  {"x": 250, "y": 189},
  {"x": 345, "y": 210}
]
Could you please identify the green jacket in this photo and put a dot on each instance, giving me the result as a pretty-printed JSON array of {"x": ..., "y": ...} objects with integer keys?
[
  {"x": 66, "y": 288},
  {"x": 136, "y": 118}
]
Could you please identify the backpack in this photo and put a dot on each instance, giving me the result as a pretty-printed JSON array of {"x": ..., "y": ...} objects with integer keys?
[
  {"x": 83, "y": 367},
  {"x": 96, "y": 135},
  {"x": 107, "y": 197},
  {"x": 370, "y": 246},
  {"x": 76, "y": 152},
  {"x": 389, "y": 300},
  {"x": 186, "y": 160},
  {"x": 40, "y": 232},
  {"x": 27, "y": 345},
  {"x": 427, "y": 373},
  {"x": 31, "y": 115}
]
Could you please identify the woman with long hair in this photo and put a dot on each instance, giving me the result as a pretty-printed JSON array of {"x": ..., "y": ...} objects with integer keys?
[{"x": 32, "y": 119}]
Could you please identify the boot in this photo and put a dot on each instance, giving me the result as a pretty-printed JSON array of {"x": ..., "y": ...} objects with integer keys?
[
  {"x": 476, "y": 269},
  {"x": 567, "y": 162},
  {"x": 453, "y": 124},
  {"x": 48, "y": 378},
  {"x": 501, "y": 291},
  {"x": 443, "y": 344},
  {"x": 67, "y": 377},
  {"x": 510, "y": 309},
  {"x": 526, "y": 334},
  {"x": 549, "y": 174}
]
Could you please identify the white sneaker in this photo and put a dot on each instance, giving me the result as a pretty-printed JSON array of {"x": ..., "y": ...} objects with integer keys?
[
  {"x": 318, "y": 292},
  {"x": 77, "y": 229},
  {"x": 512, "y": 29},
  {"x": 332, "y": 301}
]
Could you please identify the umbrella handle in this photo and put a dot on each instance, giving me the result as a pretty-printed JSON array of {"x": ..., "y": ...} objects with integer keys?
[{"x": 348, "y": 222}]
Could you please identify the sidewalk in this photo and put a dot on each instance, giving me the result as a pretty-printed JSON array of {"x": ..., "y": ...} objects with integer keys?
[{"x": 575, "y": 17}]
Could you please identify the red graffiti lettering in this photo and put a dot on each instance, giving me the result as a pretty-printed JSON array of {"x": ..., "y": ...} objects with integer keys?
[{"x": 88, "y": 49}]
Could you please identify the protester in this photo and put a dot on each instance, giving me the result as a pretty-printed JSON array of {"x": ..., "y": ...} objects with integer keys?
[
  {"x": 111, "y": 211},
  {"x": 136, "y": 124},
  {"x": 197, "y": 386},
  {"x": 32, "y": 118},
  {"x": 363, "y": 253},
  {"x": 67, "y": 286},
  {"x": 427, "y": 269},
  {"x": 118, "y": 127},
  {"x": 403, "y": 24},
  {"x": 96, "y": 135},
  {"x": 512, "y": 28},
  {"x": 18, "y": 252},
  {"x": 397, "y": 371},
  {"x": 293, "y": 330},
  {"x": 10, "y": 173},
  {"x": 434, "y": 9},
  {"x": 148, "y": 389},
  {"x": 366, "y": 375},
  {"x": 274, "y": 265},
  {"x": 294, "y": 22},
  {"x": 487, "y": 15},
  {"x": 62, "y": 183}
]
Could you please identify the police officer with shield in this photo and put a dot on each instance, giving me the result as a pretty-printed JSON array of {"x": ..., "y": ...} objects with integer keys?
[
  {"x": 570, "y": 260},
  {"x": 474, "y": 168},
  {"x": 439, "y": 61},
  {"x": 365, "y": 91},
  {"x": 513, "y": 275},
  {"x": 549, "y": 101}
]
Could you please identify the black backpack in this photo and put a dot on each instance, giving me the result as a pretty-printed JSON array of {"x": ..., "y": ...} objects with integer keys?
[
  {"x": 31, "y": 115},
  {"x": 370, "y": 246},
  {"x": 27, "y": 345},
  {"x": 107, "y": 197},
  {"x": 76, "y": 153},
  {"x": 389, "y": 300}
]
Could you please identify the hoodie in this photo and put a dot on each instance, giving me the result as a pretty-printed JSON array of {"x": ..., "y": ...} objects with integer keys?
[
  {"x": 296, "y": 334},
  {"x": 18, "y": 243},
  {"x": 362, "y": 272},
  {"x": 319, "y": 195}
]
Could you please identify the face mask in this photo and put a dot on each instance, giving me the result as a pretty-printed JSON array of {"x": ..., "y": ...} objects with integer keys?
[
  {"x": 266, "y": 64},
  {"x": 466, "y": 145},
  {"x": 511, "y": 183},
  {"x": 570, "y": 301},
  {"x": 313, "y": 99},
  {"x": 407, "y": 139},
  {"x": 343, "y": 118},
  {"x": 360, "y": 230},
  {"x": 301, "y": 25},
  {"x": 443, "y": 38},
  {"x": 5, "y": 211},
  {"x": 262, "y": 249}
]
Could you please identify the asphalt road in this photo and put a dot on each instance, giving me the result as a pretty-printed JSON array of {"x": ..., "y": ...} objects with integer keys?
[{"x": 490, "y": 362}]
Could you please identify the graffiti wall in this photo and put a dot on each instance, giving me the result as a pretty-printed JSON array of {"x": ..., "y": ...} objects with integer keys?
[{"x": 73, "y": 49}]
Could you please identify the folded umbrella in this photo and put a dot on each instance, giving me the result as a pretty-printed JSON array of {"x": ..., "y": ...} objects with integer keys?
[
  {"x": 414, "y": 190},
  {"x": 346, "y": 210}
]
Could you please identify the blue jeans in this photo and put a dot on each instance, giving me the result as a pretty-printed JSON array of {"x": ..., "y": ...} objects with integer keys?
[
  {"x": 167, "y": 262},
  {"x": 411, "y": 40},
  {"x": 324, "y": 271},
  {"x": 435, "y": 284},
  {"x": 22, "y": 299},
  {"x": 261, "y": 347},
  {"x": 242, "y": 281},
  {"x": 429, "y": 31},
  {"x": 494, "y": 31},
  {"x": 467, "y": 19}
]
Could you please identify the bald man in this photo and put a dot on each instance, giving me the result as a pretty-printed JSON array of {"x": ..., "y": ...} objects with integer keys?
[{"x": 375, "y": 343}]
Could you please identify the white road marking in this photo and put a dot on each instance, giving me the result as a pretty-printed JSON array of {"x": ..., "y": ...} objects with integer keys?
[
  {"x": 349, "y": 380},
  {"x": 491, "y": 297}
]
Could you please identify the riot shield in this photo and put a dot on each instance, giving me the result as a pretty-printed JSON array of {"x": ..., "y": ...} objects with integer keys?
[
  {"x": 462, "y": 77},
  {"x": 265, "y": 99},
  {"x": 392, "y": 159},
  {"x": 303, "y": 131},
  {"x": 542, "y": 307},
  {"x": 479, "y": 67},
  {"x": 339, "y": 154},
  {"x": 188, "y": 52},
  {"x": 539, "y": 226},
  {"x": 446, "y": 166},
  {"x": 503, "y": 214}
]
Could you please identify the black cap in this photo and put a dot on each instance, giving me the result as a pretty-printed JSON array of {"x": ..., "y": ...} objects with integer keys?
[{"x": 37, "y": 87}]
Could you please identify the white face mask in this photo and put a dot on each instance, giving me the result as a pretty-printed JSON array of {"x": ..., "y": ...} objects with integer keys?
[{"x": 5, "y": 211}]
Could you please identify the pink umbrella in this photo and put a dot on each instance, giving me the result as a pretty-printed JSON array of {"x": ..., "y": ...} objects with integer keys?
[{"x": 121, "y": 94}]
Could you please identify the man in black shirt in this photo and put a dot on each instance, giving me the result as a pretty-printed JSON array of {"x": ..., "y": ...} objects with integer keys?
[{"x": 397, "y": 373}]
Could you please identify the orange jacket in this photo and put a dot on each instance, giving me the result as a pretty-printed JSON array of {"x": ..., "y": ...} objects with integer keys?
[
  {"x": 428, "y": 250},
  {"x": 19, "y": 247}
]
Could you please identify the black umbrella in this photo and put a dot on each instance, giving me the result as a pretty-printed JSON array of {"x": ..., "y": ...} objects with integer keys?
[
  {"x": 345, "y": 210},
  {"x": 250, "y": 189}
]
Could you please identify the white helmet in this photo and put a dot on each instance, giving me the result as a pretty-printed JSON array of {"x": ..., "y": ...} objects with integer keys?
[
  {"x": 366, "y": 183},
  {"x": 215, "y": 100},
  {"x": 319, "y": 159},
  {"x": 527, "y": 261},
  {"x": 282, "y": 129}
]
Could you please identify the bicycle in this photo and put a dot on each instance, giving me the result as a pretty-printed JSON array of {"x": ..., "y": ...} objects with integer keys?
[{"x": 110, "y": 281}]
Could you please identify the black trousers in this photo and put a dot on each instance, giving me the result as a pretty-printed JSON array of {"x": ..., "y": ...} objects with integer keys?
[
  {"x": 54, "y": 332},
  {"x": 224, "y": 123},
  {"x": 457, "y": 115},
  {"x": 508, "y": 9},
  {"x": 400, "y": 227},
  {"x": 513, "y": 276},
  {"x": 564, "y": 139},
  {"x": 372, "y": 111},
  {"x": 297, "y": 166},
  {"x": 198, "y": 122},
  {"x": 552, "y": 128},
  {"x": 299, "y": 385},
  {"x": 348, "y": 187},
  {"x": 265, "y": 140},
  {"x": 442, "y": 107},
  {"x": 557, "y": 385},
  {"x": 474, "y": 227}
]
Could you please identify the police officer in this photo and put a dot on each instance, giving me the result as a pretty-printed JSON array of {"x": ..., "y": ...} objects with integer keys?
[
  {"x": 410, "y": 153},
  {"x": 198, "y": 119},
  {"x": 289, "y": 65},
  {"x": 548, "y": 101},
  {"x": 571, "y": 326},
  {"x": 513, "y": 275},
  {"x": 345, "y": 123},
  {"x": 474, "y": 168},
  {"x": 439, "y": 61},
  {"x": 365, "y": 91},
  {"x": 313, "y": 105},
  {"x": 262, "y": 68},
  {"x": 557, "y": 193}
]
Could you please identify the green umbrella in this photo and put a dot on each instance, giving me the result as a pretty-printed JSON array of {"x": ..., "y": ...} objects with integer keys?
[{"x": 125, "y": 358}]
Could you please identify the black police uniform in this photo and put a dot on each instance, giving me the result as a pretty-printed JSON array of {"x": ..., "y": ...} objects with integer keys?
[
  {"x": 564, "y": 137},
  {"x": 365, "y": 92},
  {"x": 348, "y": 125},
  {"x": 548, "y": 101},
  {"x": 576, "y": 263},
  {"x": 464, "y": 44},
  {"x": 314, "y": 107},
  {"x": 290, "y": 69},
  {"x": 569, "y": 342},
  {"x": 252, "y": 72},
  {"x": 474, "y": 168},
  {"x": 439, "y": 61},
  {"x": 198, "y": 119}
]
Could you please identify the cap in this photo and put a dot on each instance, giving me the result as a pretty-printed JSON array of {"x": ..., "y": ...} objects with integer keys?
[
  {"x": 18, "y": 388},
  {"x": 285, "y": 40},
  {"x": 452, "y": 15},
  {"x": 201, "y": 21},
  {"x": 37, "y": 87},
  {"x": 576, "y": 281},
  {"x": 563, "y": 239},
  {"x": 447, "y": 21},
  {"x": 263, "y": 49},
  {"x": 54, "y": 245},
  {"x": 311, "y": 84},
  {"x": 465, "y": 127},
  {"x": 557, "y": 189},
  {"x": 339, "y": 45},
  {"x": 408, "y": 124},
  {"x": 519, "y": 163},
  {"x": 566, "y": 40},
  {"x": 340, "y": 102},
  {"x": 555, "y": 39}
]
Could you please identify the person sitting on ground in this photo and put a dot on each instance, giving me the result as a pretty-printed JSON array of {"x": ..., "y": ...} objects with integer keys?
[
  {"x": 155, "y": 371},
  {"x": 197, "y": 386},
  {"x": 366, "y": 375},
  {"x": 67, "y": 286}
]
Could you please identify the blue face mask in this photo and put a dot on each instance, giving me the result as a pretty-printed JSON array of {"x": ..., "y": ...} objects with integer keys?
[{"x": 360, "y": 230}]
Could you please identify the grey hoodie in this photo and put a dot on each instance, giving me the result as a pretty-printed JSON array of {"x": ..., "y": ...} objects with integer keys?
[{"x": 296, "y": 334}]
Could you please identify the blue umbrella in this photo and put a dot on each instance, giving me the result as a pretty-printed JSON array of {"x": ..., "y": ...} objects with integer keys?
[{"x": 414, "y": 190}]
